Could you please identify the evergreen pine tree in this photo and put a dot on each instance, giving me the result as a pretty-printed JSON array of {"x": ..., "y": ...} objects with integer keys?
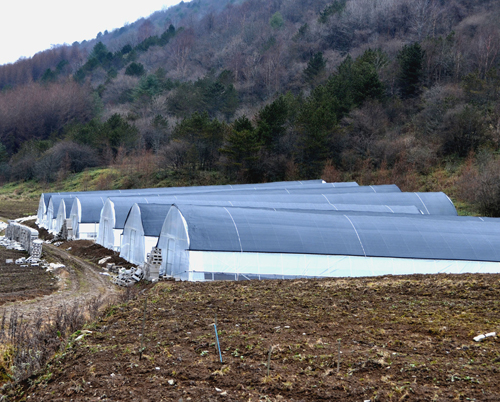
[
  {"x": 315, "y": 67},
  {"x": 410, "y": 60}
]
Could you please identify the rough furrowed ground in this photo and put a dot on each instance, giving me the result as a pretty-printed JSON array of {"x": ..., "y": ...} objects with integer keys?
[
  {"x": 401, "y": 338},
  {"x": 21, "y": 283}
]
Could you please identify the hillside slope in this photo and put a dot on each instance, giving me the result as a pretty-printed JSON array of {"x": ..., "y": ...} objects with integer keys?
[{"x": 257, "y": 91}]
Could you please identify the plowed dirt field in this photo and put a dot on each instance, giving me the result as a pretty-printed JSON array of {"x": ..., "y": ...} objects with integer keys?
[
  {"x": 22, "y": 283},
  {"x": 392, "y": 338}
]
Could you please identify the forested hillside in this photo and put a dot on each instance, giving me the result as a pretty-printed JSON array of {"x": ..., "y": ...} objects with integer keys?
[{"x": 398, "y": 91}]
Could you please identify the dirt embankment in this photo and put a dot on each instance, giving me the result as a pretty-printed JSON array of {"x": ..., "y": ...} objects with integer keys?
[{"x": 406, "y": 338}]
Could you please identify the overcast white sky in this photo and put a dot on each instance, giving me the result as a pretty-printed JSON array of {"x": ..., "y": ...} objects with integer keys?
[{"x": 30, "y": 26}]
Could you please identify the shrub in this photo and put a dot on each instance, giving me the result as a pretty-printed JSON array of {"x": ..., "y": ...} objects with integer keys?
[
  {"x": 487, "y": 196},
  {"x": 464, "y": 131},
  {"x": 135, "y": 69},
  {"x": 65, "y": 157}
]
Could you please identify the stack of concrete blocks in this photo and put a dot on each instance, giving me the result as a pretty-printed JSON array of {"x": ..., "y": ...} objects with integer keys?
[
  {"x": 36, "y": 249},
  {"x": 153, "y": 264},
  {"x": 24, "y": 235},
  {"x": 127, "y": 277}
]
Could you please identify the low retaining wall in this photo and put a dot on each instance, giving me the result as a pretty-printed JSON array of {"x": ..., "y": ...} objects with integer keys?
[{"x": 26, "y": 236}]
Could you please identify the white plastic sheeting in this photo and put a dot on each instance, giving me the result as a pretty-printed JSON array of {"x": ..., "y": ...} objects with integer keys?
[
  {"x": 141, "y": 231},
  {"x": 42, "y": 210},
  {"x": 107, "y": 235},
  {"x": 114, "y": 214},
  {"x": 207, "y": 266},
  {"x": 63, "y": 213},
  {"x": 84, "y": 215},
  {"x": 174, "y": 245},
  {"x": 53, "y": 209}
]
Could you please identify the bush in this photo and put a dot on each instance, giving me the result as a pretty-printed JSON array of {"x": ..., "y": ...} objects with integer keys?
[
  {"x": 65, "y": 157},
  {"x": 23, "y": 168},
  {"x": 464, "y": 131},
  {"x": 135, "y": 69},
  {"x": 487, "y": 197},
  {"x": 175, "y": 154}
]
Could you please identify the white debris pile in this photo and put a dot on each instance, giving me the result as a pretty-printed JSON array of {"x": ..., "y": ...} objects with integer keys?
[
  {"x": 127, "y": 277},
  {"x": 111, "y": 267},
  {"x": 11, "y": 244},
  {"x": 26, "y": 218},
  {"x": 482, "y": 337},
  {"x": 104, "y": 260},
  {"x": 34, "y": 262},
  {"x": 53, "y": 266},
  {"x": 3, "y": 225}
]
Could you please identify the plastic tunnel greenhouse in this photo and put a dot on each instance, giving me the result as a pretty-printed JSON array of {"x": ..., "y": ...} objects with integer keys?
[
  {"x": 84, "y": 215},
  {"x": 53, "y": 209},
  {"x": 45, "y": 197},
  {"x": 144, "y": 222},
  {"x": 208, "y": 243},
  {"x": 428, "y": 203},
  {"x": 141, "y": 231},
  {"x": 115, "y": 209},
  {"x": 63, "y": 213},
  {"x": 114, "y": 213}
]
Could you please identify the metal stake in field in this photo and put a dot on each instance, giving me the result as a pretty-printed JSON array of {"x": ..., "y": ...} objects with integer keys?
[
  {"x": 143, "y": 325},
  {"x": 217, "y": 338},
  {"x": 338, "y": 361},
  {"x": 269, "y": 359}
]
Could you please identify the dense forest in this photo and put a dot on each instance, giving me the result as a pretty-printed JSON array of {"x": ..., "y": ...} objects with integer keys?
[{"x": 389, "y": 91}]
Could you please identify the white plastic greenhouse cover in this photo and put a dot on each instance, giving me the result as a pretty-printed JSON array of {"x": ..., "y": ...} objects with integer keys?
[
  {"x": 42, "y": 210},
  {"x": 115, "y": 210},
  {"x": 144, "y": 222},
  {"x": 141, "y": 231},
  {"x": 45, "y": 197},
  {"x": 84, "y": 215},
  {"x": 43, "y": 206},
  {"x": 53, "y": 209},
  {"x": 63, "y": 213},
  {"x": 206, "y": 243},
  {"x": 428, "y": 203}
]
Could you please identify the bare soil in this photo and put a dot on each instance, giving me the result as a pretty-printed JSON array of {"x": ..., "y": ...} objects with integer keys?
[
  {"x": 401, "y": 338},
  {"x": 41, "y": 294},
  {"x": 93, "y": 252},
  {"x": 22, "y": 283}
]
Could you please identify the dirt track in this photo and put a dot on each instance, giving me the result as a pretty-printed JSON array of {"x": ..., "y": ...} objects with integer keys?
[{"x": 79, "y": 282}]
